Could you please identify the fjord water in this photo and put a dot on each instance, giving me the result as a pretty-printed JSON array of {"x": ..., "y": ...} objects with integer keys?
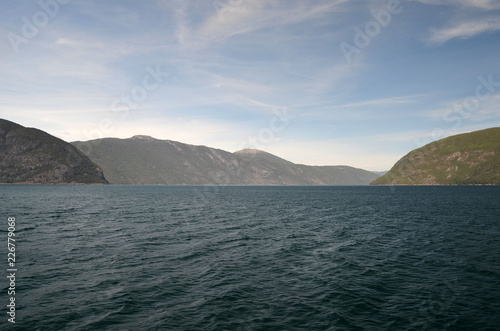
[{"x": 254, "y": 258}]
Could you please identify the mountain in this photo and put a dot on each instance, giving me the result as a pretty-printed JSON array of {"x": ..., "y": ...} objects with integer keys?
[
  {"x": 261, "y": 168},
  {"x": 465, "y": 159},
  {"x": 146, "y": 160},
  {"x": 31, "y": 156},
  {"x": 380, "y": 173}
]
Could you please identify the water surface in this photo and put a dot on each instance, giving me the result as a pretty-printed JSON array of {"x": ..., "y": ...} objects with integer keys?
[{"x": 254, "y": 258}]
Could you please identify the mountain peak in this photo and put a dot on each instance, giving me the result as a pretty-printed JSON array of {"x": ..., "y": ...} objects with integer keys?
[
  {"x": 143, "y": 137},
  {"x": 250, "y": 151}
]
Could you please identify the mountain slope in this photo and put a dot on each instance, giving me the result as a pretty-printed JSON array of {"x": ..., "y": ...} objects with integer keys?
[
  {"x": 32, "y": 156},
  {"x": 465, "y": 159},
  {"x": 268, "y": 168},
  {"x": 145, "y": 160}
]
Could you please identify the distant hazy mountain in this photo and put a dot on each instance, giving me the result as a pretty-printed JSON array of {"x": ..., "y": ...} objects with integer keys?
[
  {"x": 32, "y": 156},
  {"x": 259, "y": 167},
  {"x": 380, "y": 173},
  {"x": 465, "y": 159},
  {"x": 145, "y": 160}
]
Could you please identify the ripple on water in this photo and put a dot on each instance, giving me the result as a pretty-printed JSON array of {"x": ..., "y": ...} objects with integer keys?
[{"x": 257, "y": 258}]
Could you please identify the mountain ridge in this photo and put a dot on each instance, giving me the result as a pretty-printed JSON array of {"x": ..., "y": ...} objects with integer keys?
[
  {"x": 32, "y": 156},
  {"x": 146, "y": 160},
  {"x": 465, "y": 159}
]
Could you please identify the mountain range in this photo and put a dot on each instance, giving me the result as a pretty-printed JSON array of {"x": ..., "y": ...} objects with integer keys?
[
  {"x": 31, "y": 156},
  {"x": 143, "y": 160}
]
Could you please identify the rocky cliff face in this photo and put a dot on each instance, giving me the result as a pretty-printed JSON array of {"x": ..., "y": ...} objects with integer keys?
[
  {"x": 31, "y": 156},
  {"x": 466, "y": 159}
]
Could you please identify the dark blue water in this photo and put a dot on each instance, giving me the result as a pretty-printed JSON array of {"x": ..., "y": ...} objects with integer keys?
[{"x": 253, "y": 258}]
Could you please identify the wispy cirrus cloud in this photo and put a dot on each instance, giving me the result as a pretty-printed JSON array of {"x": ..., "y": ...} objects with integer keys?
[
  {"x": 400, "y": 100},
  {"x": 464, "y": 30},
  {"x": 249, "y": 16},
  {"x": 483, "y": 4},
  {"x": 472, "y": 18}
]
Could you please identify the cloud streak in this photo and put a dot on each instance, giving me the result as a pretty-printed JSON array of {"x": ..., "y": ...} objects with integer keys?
[
  {"x": 481, "y": 4},
  {"x": 250, "y": 16},
  {"x": 464, "y": 30},
  {"x": 472, "y": 18}
]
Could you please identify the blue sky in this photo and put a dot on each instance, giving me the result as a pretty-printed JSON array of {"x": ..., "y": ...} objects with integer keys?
[{"x": 320, "y": 82}]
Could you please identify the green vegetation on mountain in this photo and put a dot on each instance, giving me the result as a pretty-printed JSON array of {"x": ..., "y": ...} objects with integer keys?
[
  {"x": 465, "y": 159},
  {"x": 145, "y": 160},
  {"x": 31, "y": 156}
]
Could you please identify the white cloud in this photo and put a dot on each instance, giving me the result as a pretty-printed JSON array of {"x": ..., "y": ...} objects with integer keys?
[
  {"x": 473, "y": 18},
  {"x": 248, "y": 16},
  {"x": 381, "y": 102},
  {"x": 464, "y": 30},
  {"x": 483, "y": 4}
]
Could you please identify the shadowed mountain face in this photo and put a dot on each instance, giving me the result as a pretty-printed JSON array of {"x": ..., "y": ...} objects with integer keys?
[
  {"x": 465, "y": 159},
  {"x": 32, "y": 156},
  {"x": 145, "y": 160}
]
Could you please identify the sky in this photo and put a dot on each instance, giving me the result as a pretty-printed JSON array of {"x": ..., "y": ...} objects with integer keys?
[{"x": 317, "y": 82}]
